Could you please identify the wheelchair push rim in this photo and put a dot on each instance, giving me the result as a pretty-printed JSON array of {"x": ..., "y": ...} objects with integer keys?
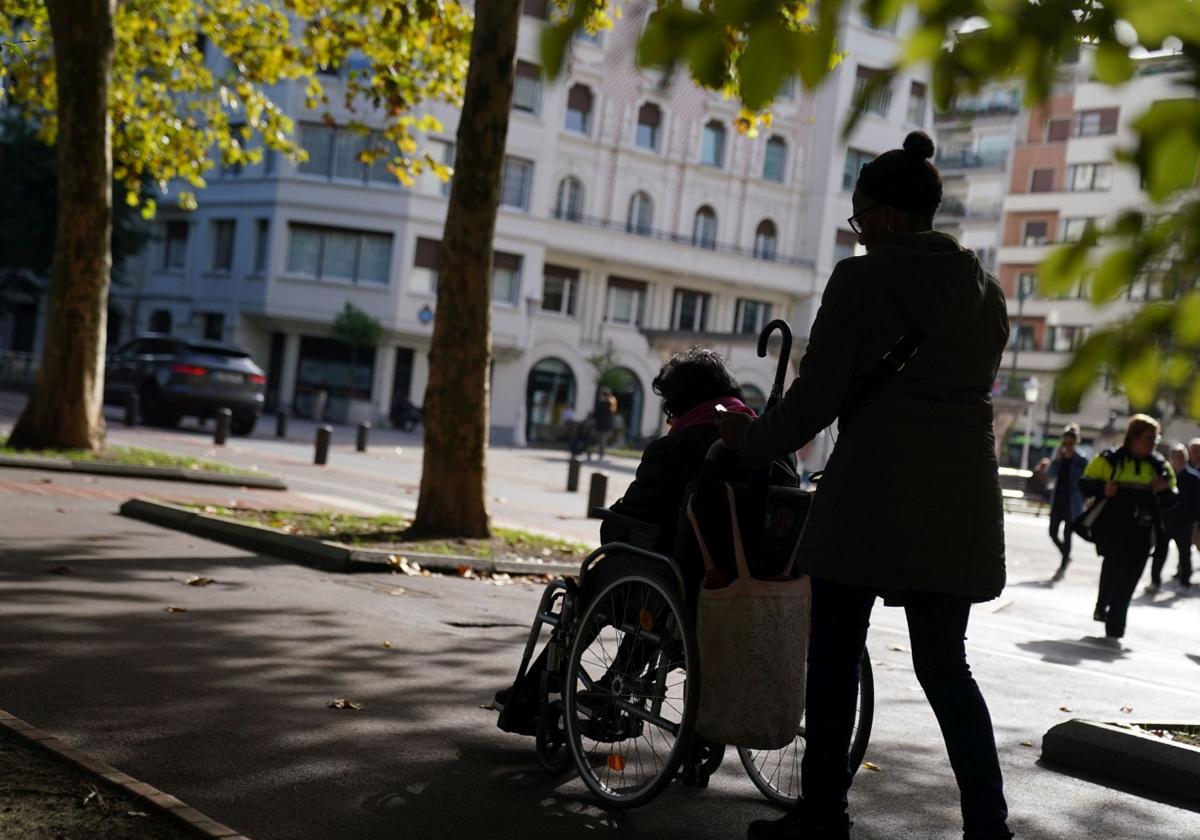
[
  {"x": 776, "y": 773},
  {"x": 629, "y": 705}
]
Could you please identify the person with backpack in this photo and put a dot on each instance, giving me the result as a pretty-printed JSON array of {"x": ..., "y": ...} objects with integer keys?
[
  {"x": 1179, "y": 522},
  {"x": 869, "y": 532},
  {"x": 1066, "y": 500},
  {"x": 1134, "y": 483}
]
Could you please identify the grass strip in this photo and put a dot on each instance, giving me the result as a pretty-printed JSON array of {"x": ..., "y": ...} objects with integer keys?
[{"x": 132, "y": 456}]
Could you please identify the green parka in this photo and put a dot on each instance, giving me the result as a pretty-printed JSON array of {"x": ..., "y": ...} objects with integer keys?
[{"x": 910, "y": 499}]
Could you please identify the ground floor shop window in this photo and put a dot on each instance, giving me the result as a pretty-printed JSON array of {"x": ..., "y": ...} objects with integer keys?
[
  {"x": 330, "y": 366},
  {"x": 549, "y": 401}
]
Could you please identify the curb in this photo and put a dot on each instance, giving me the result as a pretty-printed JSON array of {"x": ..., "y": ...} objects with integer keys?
[
  {"x": 29, "y": 462},
  {"x": 1109, "y": 751},
  {"x": 151, "y": 797},
  {"x": 321, "y": 554}
]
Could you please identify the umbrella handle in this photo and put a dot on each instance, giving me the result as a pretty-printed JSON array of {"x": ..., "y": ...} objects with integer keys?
[{"x": 785, "y": 354}]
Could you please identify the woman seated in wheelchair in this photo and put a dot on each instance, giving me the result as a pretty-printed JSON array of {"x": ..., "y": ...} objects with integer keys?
[{"x": 696, "y": 386}]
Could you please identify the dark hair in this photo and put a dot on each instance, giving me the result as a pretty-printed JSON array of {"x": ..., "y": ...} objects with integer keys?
[
  {"x": 691, "y": 377},
  {"x": 904, "y": 178}
]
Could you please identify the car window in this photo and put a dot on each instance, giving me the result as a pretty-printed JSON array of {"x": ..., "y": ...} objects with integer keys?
[
  {"x": 130, "y": 349},
  {"x": 216, "y": 350},
  {"x": 158, "y": 347}
]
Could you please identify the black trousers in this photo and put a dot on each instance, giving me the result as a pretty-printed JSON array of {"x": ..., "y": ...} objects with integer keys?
[
  {"x": 1182, "y": 537},
  {"x": 1061, "y": 519},
  {"x": 1122, "y": 567},
  {"x": 937, "y": 626}
]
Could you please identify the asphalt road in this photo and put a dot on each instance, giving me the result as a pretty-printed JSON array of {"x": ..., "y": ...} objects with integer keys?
[{"x": 225, "y": 705}]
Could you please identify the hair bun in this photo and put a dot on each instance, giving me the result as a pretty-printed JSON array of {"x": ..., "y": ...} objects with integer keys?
[{"x": 919, "y": 145}]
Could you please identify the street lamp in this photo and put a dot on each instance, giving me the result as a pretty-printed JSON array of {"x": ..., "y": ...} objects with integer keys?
[
  {"x": 533, "y": 302},
  {"x": 1032, "y": 387}
]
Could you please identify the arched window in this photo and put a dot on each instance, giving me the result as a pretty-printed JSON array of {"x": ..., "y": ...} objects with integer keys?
[
  {"x": 704, "y": 231},
  {"x": 579, "y": 109},
  {"x": 160, "y": 321},
  {"x": 765, "y": 240},
  {"x": 569, "y": 204},
  {"x": 641, "y": 214},
  {"x": 649, "y": 126},
  {"x": 549, "y": 393},
  {"x": 712, "y": 147},
  {"x": 773, "y": 160}
]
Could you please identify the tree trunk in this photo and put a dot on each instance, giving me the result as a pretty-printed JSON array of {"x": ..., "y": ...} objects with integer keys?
[
  {"x": 66, "y": 407},
  {"x": 453, "y": 500}
]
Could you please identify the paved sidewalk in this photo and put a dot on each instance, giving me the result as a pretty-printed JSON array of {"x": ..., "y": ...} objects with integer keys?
[{"x": 225, "y": 705}]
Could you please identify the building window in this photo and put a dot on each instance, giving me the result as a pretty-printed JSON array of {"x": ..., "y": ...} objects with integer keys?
[
  {"x": 917, "y": 95},
  {"x": 1089, "y": 177},
  {"x": 569, "y": 204},
  {"x": 773, "y": 159},
  {"x": 689, "y": 312},
  {"x": 340, "y": 254},
  {"x": 1042, "y": 180},
  {"x": 641, "y": 214},
  {"x": 787, "y": 89},
  {"x": 175, "y": 245},
  {"x": 648, "y": 126},
  {"x": 843, "y": 245},
  {"x": 317, "y": 140},
  {"x": 596, "y": 39},
  {"x": 855, "y": 160},
  {"x": 888, "y": 26},
  {"x": 560, "y": 288},
  {"x": 506, "y": 278},
  {"x": 347, "y": 156},
  {"x": 712, "y": 147},
  {"x": 340, "y": 152},
  {"x": 423, "y": 280},
  {"x": 625, "y": 301},
  {"x": 214, "y": 326},
  {"x": 518, "y": 179},
  {"x": 1064, "y": 339},
  {"x": 1095, "y": 123},
  {"x": 222, "y": 251},
  {"x": 527, "y": 88},
  {"x": 428, "y": 183},
  {"x": 1058, "y": 130},
  {"x": 1021, "y": 337},
  {"x": 765, "y": 240},
  {"x": 579, "y": 109},
  {"x": 751, "y": 316},
  {"x": 880, "y": 97},
  {"x": 1072, "y": 229},
  {"x": 160, "y": 321},
  {"x": 704, "y": 229},
  {"x": 1026, "y": 284},
  {"x": 262, "y": 244},
  {"x": 539, "y": 9},
  {"x": 1036, "y": 233}
]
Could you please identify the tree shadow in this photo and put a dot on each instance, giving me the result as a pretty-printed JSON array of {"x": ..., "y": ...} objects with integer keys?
[
  {"x": 1133, "y": 790},
  {"x": 1075, "y": 651}
]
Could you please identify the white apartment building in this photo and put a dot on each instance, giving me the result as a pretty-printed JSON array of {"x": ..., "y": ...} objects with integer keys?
[{"x": 634, "y": 220}]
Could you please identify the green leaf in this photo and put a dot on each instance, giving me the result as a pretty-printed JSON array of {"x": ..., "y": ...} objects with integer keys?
[
  {"x": 1187, "y": 320},
  {"x": 1173, "y": 163},
  {"x": 1061, "y": 271},
  {"x": 555, "y": 40},
  {"x": 1140, "y": 377},
  {"x": 759, "y": 69},
  {"x": 924, "y": 44},
  {"x": 1114, "y": 275},
  {"x": 1113, "y": 64}
]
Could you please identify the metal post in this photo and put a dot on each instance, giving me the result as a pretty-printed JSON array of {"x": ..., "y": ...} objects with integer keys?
[
  {"x": 224, "y": 420},
  {"x": 132, "y": 408},
  {"x": 364, "y": 430},
  {"x": 320, "y": 400},
  {"x": 281, "y": 423},
  {"x": 573, "y": 467},
  {"x": 324, "y": 435},
  {"x": 597, "y": 492},
  {"x": 1028, "y": 434}
]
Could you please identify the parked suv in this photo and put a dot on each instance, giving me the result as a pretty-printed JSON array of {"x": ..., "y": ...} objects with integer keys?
[{"x": 173, "y": 377}]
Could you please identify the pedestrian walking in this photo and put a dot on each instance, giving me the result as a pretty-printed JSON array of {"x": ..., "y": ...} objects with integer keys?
[
  {"x": 869, "y": 533},
  {"x": 1179, "y": 522},
  {"x": 1066, "y": 499},
  {"x": 603, "y": 413},
  {"x": 1134, "y": 483}
]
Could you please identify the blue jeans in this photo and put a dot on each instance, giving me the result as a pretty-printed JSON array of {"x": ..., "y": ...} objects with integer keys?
[{"x": 937, "y": 627}]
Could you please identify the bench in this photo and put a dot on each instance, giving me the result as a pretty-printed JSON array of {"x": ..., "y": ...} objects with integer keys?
[{"x": 1021, "y": 492}]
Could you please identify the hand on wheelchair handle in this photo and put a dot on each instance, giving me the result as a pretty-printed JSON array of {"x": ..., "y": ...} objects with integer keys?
[{"x": 731, "y": 426}]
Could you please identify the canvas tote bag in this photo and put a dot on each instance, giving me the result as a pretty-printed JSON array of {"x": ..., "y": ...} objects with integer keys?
[{"x": 753, "y": 639}]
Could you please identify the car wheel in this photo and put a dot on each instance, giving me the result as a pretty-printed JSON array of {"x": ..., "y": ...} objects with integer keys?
[{"x": 243, "y": 424}]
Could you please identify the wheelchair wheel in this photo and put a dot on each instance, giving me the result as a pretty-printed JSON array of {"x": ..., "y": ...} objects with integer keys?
[
  {"x": 550, "y": 741},
  {"x": 776, "y": 773},
  {"x": 629, "y": 705}
]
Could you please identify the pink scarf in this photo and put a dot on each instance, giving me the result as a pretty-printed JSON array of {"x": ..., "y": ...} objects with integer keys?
[{"x": 706, "y": 412}]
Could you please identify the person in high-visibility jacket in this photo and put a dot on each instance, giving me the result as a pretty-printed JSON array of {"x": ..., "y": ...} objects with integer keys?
[{"x": 1137, "y": 483}]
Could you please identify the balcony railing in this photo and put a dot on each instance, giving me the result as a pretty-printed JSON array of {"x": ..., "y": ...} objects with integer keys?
[
  {"x": 632, "y": 229},
  {"x": 954, "y": 209},
  {"x": 967, "y": 159}
]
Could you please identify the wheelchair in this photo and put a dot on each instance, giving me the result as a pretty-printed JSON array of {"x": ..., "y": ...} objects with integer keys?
[{"x": 617, "y": 682}]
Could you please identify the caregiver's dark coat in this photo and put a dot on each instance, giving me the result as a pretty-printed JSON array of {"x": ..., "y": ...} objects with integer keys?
[{"x": 910, "y": 499}]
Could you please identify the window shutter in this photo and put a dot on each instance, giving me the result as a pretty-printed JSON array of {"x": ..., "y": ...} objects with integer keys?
[{"x": 427, "y": 253}]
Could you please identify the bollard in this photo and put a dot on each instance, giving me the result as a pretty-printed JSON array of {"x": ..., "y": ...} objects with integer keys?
[
  {"x": 324, "y": 433},
  {"x": 364, "y": 429},
  {"x": 224, "y": 420},
  {"x": 281, "y": 423},
  {"x": 132, "y": 406},
  {"x": 573, "y": 467},
  {"x": 597, "y": 493}
]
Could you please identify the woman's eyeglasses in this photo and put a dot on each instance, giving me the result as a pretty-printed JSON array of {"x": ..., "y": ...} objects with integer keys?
[{"x": 855, "y": 224}]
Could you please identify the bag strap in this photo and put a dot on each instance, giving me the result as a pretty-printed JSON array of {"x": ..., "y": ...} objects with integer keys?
[
  {"x": 704, "y": 552},
  {"x": 893, "y": 362},
  {"x": 739, "y": 551}
]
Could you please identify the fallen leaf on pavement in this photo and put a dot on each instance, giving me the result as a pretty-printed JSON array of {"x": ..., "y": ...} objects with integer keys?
[
  {"x": 898, "y": 648},
  {"x": 60, "y": 510},
  {"x": 196, "y": 580},
  {"x": 465, "y": 571},
  {"x": 174, "y": 609},
  {"x": 386, "y": 643},
  {"x": 1027, "y": 743},
  {"x": 867, "y": 765},
  {"x": 489, "y": 706},
  {"x": 43, "y": 481},
  {"x": 343, "y": 703},
  {"x": 1127, "y": 709},
  {"x": 1065, "y": 709},
  {"x": 404, "y": 564},
  {"x": 136, "y": 814},
  {"x": 61, "y": 570}
]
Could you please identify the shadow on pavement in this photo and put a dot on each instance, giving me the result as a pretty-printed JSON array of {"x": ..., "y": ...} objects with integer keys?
[
  {"x": 1133, "y": 790},
  {"x": 1074, "y": 651}
]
